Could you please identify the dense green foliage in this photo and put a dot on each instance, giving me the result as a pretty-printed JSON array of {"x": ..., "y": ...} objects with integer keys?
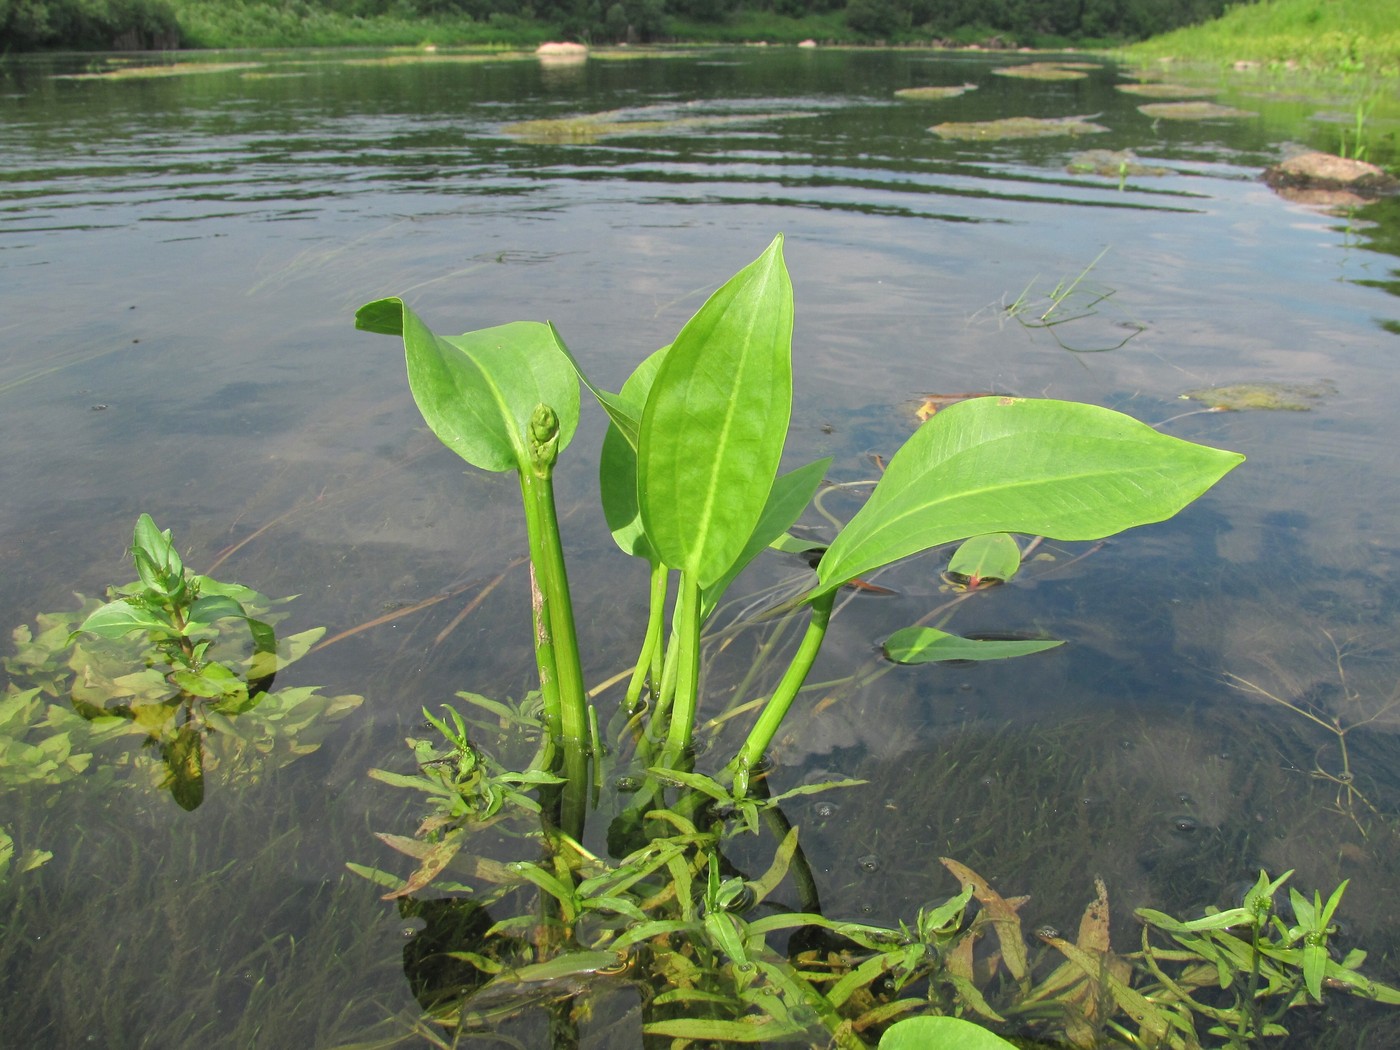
[
  {"x": 102, "y": 24},
  {"x": 1346, "y": 35}
]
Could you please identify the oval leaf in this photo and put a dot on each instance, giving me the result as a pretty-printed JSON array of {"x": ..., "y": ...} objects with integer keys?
[
  {"x": 926, "y": 645},
  {"x": 118, "y": 619},
  {"x": 981, "y": 559},
  {"x": 940, "y": 1033},
  {"x": 713, "y": 429},
  {"x": 477, "y": 390},
  {"x": 1000, "y": 464}
]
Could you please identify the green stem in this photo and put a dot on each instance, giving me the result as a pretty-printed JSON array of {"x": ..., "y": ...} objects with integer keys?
[
  {"x": 554, "y": 614},
  {"x": 686, "y": 639},
  {"x": 777, "y": 707},
  {"x": 650, "y": 660}
]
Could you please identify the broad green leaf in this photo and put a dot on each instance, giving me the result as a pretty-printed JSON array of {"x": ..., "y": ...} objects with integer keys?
[
  {"x": 994, "y": 556},
  {"x": 477, "y": 390},
  {"x": 617, "y": 465},
  {"x": 1001, "y": 464},
  {"x": 787, "y": 500},
  {"x": 624, "y": 411},
  {"x": 157, "y": 561},
  {"x": 713, "y": 429},
  {"x": 924, "y": 645},
  {"x": 210, "y": 607},
  {"x": 118, "y": 619},
  {"x": 940, "y": 1033}
]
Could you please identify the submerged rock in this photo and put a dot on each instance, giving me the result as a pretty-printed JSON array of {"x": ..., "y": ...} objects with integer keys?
[
  {"x": 1016, "y": 128},
  {"x": 1330, "y": 174}
]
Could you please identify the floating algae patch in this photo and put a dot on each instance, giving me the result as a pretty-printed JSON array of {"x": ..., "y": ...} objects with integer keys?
[
  {"x": 1268, "y": 397},
  {"x": 1047, "y": 70},
  {"x": 178, "y": 69},
  {"x": 590, "y": 127},
  {"x": 422, "y": 58},
  {"x": 1016, "y": 128},
  {"x": 1159, "y": 90},
  {"x": 1112, "y": 163},
  {"x": 1192, "y": 111},
  {"x": 926, "y": 94}
]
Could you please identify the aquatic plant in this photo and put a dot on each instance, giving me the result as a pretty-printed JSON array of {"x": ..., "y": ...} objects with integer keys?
[
  {"x": 1192, "y": 111},
  {"x": 181, "y": 662},
  {"x": 1016, "y": 128}
]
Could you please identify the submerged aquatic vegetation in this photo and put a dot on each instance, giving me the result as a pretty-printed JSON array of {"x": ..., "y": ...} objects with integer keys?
[
  {"x": 1114, "y": 164},
  {"x": 1048, "y": 70},
  {"x": 926, "y": 94},
  {"x": 1016, "y": 128},
  {"x": 1192, "y": 111},
  {"x": 590, "y": 127},
  {"x": 1263, "y": 396},
  {"x": 180, "y": 663},
  {"x": 175, "y": 69},
  {"x": 1159, "y": 89}
]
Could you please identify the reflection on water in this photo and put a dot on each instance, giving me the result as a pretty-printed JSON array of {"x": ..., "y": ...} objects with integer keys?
[{"x": 179, "y": 261}]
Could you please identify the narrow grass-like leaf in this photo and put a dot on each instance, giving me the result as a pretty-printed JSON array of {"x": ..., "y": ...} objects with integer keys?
[
  {"x": 713, "y": 429},
  {"x": 1039, "y": 467}
]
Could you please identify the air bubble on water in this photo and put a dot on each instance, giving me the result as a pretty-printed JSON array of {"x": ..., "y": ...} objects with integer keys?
[
  {"x": 825, "y": 810},
  {"x": 1046, "y": 932},
  {"x": 1184, "y": 825},
  {"x": 869, "y": 863},
  {"x": 627, "y": 784},
  {"x": 1185, "y": 799}
]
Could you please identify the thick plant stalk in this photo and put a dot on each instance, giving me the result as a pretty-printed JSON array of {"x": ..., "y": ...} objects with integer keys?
[
  {"x": 777, "y": 707},
  {"x": 556, "y": 642}
]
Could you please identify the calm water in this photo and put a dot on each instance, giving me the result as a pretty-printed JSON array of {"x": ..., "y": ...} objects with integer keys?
[{"x": 180, "y": 259}]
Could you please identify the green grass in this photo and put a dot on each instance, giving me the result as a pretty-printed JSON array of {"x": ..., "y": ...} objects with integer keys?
[
  {"x": 217, "y": 24},
  {"x": 1349, "y": 36}
]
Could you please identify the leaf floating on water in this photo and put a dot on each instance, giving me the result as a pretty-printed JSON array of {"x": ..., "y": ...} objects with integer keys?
[
  {"x": 1268, "y": 397},
  {"x": 1048, "y": 70},
  {"x": 926, "y": 94},
  {"x": 1192, "y": 111},
  {"x": 1016, "y": 128}
]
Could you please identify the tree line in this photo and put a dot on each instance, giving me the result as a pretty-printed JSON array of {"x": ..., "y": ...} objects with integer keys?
[{"x": 124, "y": 24}]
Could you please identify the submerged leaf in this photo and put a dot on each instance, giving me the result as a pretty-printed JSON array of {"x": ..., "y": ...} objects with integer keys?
[{"x": 940, "y": 1033}]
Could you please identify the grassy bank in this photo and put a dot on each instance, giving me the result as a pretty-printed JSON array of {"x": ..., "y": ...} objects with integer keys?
[
  {"x": 218, "y": 24},
  {"x": 1348, "y": 36}
]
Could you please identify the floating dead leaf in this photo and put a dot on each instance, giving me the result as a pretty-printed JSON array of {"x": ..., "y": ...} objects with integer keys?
[
  {"x": 1192, "y": 111},
  {"x": 925, "y": 94},
  {"x": 1047, "y": 70},
  {"x": 1113, "y": 164},
  {"x": 1159, "y": 90},
  {"x": 1267, "y": 397},
  {"x": 1017, "y": 128},
  {"x": 929, "y": 404}
]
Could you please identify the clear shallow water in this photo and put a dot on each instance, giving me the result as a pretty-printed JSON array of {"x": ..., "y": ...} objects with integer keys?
[{"x": 187, "y": 253}]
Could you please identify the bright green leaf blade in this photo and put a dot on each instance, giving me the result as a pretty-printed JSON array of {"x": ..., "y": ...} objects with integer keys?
[
  {"x": 118, "y": 619},
  {"x": 210, "y": 607},
  {"x": 476, "y": 391},
  {"x": 924, "y": 645},
  {"x": 1000, "y": 464},
  {"x": 940, "y": 1033},
  {"x": 788, "y": 499},
  {"x": 617, "y": 465},
  {"x": 713, "y": 429},
  {"x": 995, "y": 556}
]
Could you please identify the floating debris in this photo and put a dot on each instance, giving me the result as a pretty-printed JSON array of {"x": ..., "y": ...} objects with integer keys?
[
  {"x": 1017, "y": 128},
  {"x": 1114, "y": 164},
  {"x": 1160, "y": 90},
  {"x": 1048, "y": 70},
  {"x": 930, "y": 404},
  {"x": 926, "y": 94},
  {"x": 1267, "y": 397},
  {"x": 177, "y": 69},
  {"x": 1192, "y": 111}
]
